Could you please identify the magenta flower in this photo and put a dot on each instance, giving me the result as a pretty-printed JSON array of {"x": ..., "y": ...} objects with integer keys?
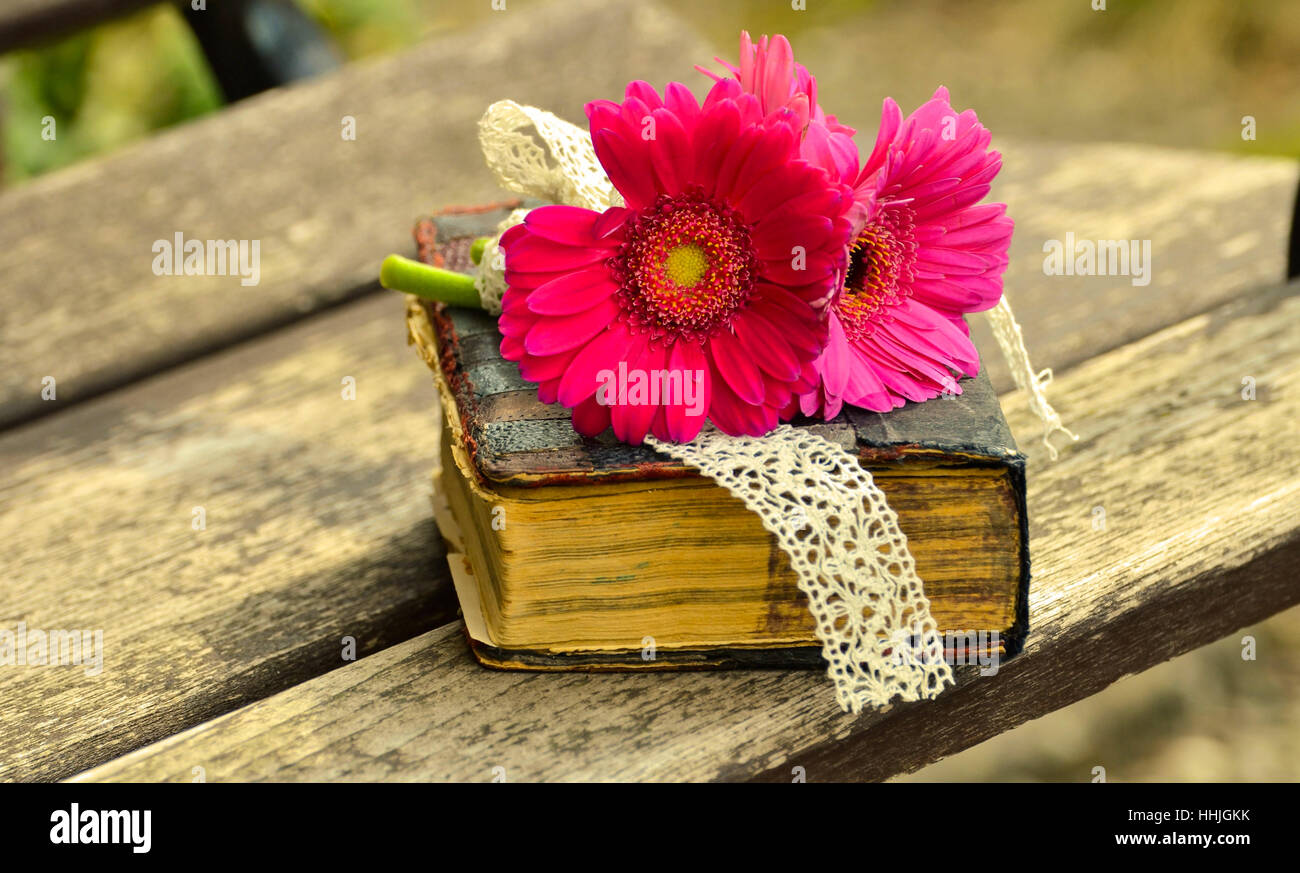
[
  {"x": 928, "y": 253},
  {"x": 769, "y": 72},
  {"x": 924, "y": 251},
  {"x": 713, "y": 279}
]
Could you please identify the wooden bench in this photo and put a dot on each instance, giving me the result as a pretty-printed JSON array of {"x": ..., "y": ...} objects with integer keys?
[{"x": 225, "y": 647}]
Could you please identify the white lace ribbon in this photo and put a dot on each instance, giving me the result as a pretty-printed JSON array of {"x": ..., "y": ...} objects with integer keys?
[
  {"x": 1012, "y": 342},
  {"x": 561, "y": 168},
  {"x": 843, "y": 540},
  {"x": 844, "y": 543}
]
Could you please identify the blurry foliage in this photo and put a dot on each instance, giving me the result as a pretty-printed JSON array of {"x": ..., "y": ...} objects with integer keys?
[
  {"x": 367, "y": 27},
  {"x": 1144, "y": 70},
  {"x": 104, "y": 88},
  {"x": 117, "y": 82}
]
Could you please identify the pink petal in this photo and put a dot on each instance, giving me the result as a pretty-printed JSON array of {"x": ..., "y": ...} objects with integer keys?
[
  {"x": 798, "y": 187},
  {"x": 526, "y": 280},
  {"x": 671, "y": 153},
  {"x": 913, "y": 358},
  {"x": 953, "y": 294},
  {"x": 832, "y": 405},
  {"x": 975, "y": 215},
  {"x": 632, "y": 421},
  {"x": 718, "y": 129},
  {"x": 628, "y": 166},
  {"x": 837, "y": 360},
  {"x": 766, "y": 346},
  {"x": 590, "y": 418},
  {"x": 746, "y": 72},
  {"x": 537, "y": 255},
  {"x": 732, "y": 161},
  {"x": 816, "y": 149},
  {"x": 645, "y": 92},
  {"x": 891, "y": 119},
  {"x": 725, "y": 407},
  {"x": 865, "y": 388},
  {"x": 573, "y": 292},
  {"x": 778, "y": 73},
  {"x": 546, "y": 391},
  {"x": 810, "y": 402},
  {"x": 550, "y": 336},
  {"x": 512, "y": 348},
  {"x": 938, "y": 347},
  {"x": 679, "y": 99},
  {"x": 568, "y": 225},
  {"x": 516, "y": 321},
  {"x": 545, "y": 369},
  {"x": 603, "y": 353},
  {"x": 990, "y": 233},
  {"x": 611, "y": 223},
  {"x": 951, "y": 261},
  {"x": 723, "y": 91},
  {"x": 682, "y": 422},
  {"x": 892, "y": 375},
  {"x": 805, "y": 268},
  {"x": 774, "y": 203},
  {"x": 511, "y": 234},
  {"x": 736, "y": 367},
  {"x": 773, "y": 150},
  {"x": 810, "y": 231}
]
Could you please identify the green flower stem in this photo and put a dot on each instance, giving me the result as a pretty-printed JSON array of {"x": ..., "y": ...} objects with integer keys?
[
  {"x": 403, "y": 274},
  {"x": 476, "y": 248}
]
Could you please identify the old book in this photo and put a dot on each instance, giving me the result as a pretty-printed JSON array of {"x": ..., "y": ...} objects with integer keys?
[{"x": 576, "y": 553}]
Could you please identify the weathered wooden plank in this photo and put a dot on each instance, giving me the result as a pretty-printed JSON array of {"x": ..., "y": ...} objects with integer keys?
[
  {"x": 1217, "y": 225},
  {"x": 24, "y": 23},
  {"x": 1202, "y": 535},
  {"x": 316, "y": 527},
  {"x": 80, "y": 300}
]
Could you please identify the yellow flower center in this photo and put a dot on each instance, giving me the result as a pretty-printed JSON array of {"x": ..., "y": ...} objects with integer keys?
[
  {"x": 686, "y": 265},
  {"x": 685, "y": 268}
]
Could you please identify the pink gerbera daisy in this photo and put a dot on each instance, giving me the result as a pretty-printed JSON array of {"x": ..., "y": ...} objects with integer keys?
[
  {"x": 928, "y": 253},
  {"x": 769, "y": 72},
  {"x": 924, "y": 251},
  {"x": 717, "y": 270}
]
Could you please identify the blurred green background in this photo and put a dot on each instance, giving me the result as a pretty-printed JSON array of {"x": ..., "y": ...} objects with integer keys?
[{"x": 1180, "y": 74}]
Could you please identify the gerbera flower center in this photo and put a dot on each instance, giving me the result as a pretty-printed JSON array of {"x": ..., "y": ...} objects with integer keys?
[
  {"x": 686, "y": 266},
  {"x": 880, "y": 272}
]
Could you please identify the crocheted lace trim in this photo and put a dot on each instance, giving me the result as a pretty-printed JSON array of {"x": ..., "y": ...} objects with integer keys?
[
  {"x": 561, "y": 168},
  {"x": 1012, "y": 342},
  {"x": 850, "y": 555}
]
